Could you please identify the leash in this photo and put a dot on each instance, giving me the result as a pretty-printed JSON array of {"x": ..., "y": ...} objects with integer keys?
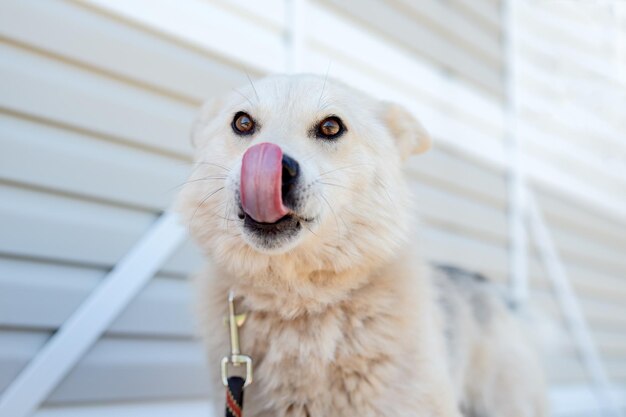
[{"x": 235, "y": 384}]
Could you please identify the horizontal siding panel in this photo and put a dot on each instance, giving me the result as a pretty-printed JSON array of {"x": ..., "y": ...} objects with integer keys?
[
  {"x": 271, "y": 13},
  {"x": 459, "y": 214},
  {"x": 116, "y": 369},
  {"x": 580, "y": 400},
  {"x": 575, "y": 62},
  {"x": 179, "y": 408},
  {"x": 412, "y": 34},
  {"x": 578, "y": 122},
  {"x": 588, "y": 49},
  {"x": 128, "y": 369},
  {"x": 576, "y": 238},
  {"x": 16, "y": 349},
  {"x": 549, "y": 179},
  {"x": 41, "y": 296},
  {"x": 568, "y": 215},
  {"x": 92, "y": 102},
  {"x": 87, "y": 166},
  {"x": 459, "y": 176},
  {"x": 47, "y": 226},
  {"x": 593, "y": 284},
  {"x": 567, "y": 370},
  {"x": 445, "y": 246},
  {"x": 185, "y": 260},
  {"x": 564, "y": 369},
  {"x": 442, "y": 246},
  {"x": 575, "y": 159},
  {"x": 197, "y": 24},
  {"x": 601, "y": 315},
  {"x": 580, "y": 249},
  {"x": 107, "y": 45},
  {"x": 484, "y": 11},
  {"x": 449, "y": 22},
  {"x": 532, "y": 71},
  {"x": 611, "y": 344},
  {"x": 565, "y": 18},
  {"x": 594, "y": 93}
]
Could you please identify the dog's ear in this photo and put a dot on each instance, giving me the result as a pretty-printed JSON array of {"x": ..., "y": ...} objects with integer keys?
[
  {"x": 207, "y": 112},
  {"x": 409, "y": 134}
]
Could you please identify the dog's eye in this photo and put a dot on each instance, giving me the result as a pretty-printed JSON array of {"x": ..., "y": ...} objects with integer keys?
[
  {"x": 330, "y": 128},
  {"x": 243, "y": 124}
]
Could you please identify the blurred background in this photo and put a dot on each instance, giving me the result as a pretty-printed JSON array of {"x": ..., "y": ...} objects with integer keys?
[{"x": 96, "y": 102}]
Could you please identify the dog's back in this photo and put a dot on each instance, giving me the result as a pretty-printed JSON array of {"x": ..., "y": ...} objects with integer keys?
[{"x": 492, "y": 361}]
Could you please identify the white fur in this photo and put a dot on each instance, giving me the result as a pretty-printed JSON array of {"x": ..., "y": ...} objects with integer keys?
[{"x": 343, "y": 319}]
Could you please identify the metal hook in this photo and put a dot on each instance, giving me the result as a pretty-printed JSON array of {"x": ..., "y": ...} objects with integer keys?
[{"x": 236, "y": 358}]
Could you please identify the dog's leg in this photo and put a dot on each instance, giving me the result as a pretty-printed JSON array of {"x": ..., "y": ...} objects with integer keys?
[{"x": 511, "y": 380}]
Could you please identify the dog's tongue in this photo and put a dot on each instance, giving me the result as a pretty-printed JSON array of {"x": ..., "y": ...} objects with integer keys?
[{"x": 261, "y": 181}]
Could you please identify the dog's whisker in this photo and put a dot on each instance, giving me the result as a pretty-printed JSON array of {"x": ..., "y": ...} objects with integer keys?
[
  {"x": 380, "y": 182},
  {"x": 334, "y": 216},
  {"x": 309, "y": 229},
  {"x": 319, "y": 100},
  {"x": 236, "y": 236},
  {"x": 226, "y": 215},
  {"x": 213, "y": 164},
  {"x": 341, "y": 169},
  {"x": 217, "y": 214},
  {"x": 384, "y": 186},
  {"x": 230, "y": 210},
  {"x": 244, "y": 96},
  {"x": 253, "y": 87},
  {"x": 339, "y": 186},
  {"x": 204, "y": 200},
  {"x": 210, "y": 178},
  {"x": 308, "y": 157},
  {"x": 327, "y": 103}
]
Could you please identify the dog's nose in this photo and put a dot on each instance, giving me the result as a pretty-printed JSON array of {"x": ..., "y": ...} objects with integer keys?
[{"x": 291, "y": 171}]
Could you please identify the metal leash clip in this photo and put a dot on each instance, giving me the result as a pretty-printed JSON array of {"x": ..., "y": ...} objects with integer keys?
[{"x": 235, "y": 359}]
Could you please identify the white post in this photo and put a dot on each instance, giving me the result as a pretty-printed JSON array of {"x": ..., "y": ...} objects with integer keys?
[
  {"x": 518, "y": 265},
  {"x": 33, "y": 385},
  {"x": 521, "y": 203}
]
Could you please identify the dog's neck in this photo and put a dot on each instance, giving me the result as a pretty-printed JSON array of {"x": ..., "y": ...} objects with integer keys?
[{"x": 290, "y": 288}]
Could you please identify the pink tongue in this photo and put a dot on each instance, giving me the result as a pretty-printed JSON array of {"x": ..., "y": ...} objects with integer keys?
[{"x": 261, "y": 181}]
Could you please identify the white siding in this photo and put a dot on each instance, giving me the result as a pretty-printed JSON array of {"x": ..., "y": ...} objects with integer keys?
[{"x": 96, "y": 102}]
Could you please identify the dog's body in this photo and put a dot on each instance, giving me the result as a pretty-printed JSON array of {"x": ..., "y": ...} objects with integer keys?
[{"x": 299, "y": 199}]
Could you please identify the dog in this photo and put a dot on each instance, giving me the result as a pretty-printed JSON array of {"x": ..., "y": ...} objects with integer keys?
[{"x": 298, "y": 199}]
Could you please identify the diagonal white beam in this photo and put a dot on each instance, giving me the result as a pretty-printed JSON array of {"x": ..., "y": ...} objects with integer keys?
[
  {"x": 572, "y": 312},
  {"x": 91, "y": 319}
]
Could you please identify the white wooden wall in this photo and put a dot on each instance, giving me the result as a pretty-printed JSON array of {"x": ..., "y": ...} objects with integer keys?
[{"x": 96, "y": 99}]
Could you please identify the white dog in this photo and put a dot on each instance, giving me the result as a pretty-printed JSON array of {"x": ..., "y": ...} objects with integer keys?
[{"x": 298, "y": 198}]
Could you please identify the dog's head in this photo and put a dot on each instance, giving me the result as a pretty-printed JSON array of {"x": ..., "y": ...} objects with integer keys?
[{"x": 300, "y": 168}]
